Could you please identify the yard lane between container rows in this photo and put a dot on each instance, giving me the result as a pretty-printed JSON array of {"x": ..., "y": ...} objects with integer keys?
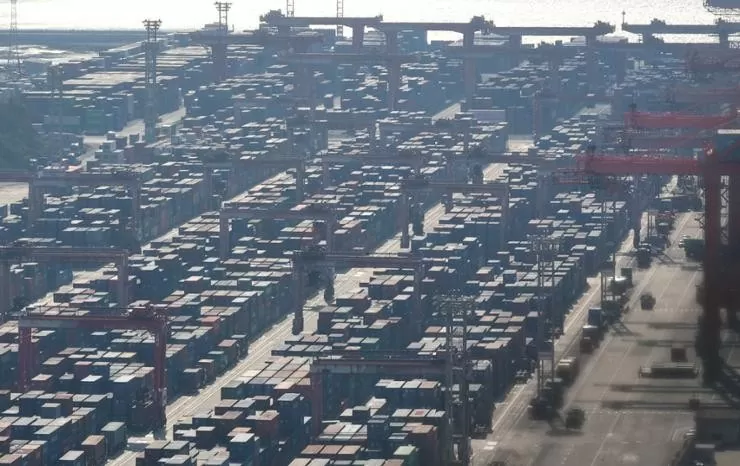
[
  {"x": 261, "y": 349},
  {"x": 629, "y": 420},
  {"x": 509, "y": 412}
]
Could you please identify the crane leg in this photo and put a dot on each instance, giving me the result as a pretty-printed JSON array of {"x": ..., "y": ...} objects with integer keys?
[
  {"x": 733, "y": 305},
  {"x": 25, "y": 343},
  {"x": 298, "y": 273},
  {"x": 403, "y": 216},
  {"x": 710, "y": 335}
]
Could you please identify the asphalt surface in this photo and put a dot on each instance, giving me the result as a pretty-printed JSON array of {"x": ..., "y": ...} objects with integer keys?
[{"x": 629, "y": 420}]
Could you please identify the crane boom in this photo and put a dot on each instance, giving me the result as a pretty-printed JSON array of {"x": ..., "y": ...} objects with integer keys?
[
  {"x": 711, "y": 167},
  {"x": 676, "y": 120}
]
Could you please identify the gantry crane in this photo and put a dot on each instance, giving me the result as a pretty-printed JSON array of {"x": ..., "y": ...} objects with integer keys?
[
  {"x": 671, "y": 120},
  {"x": 283, "y": 162},
  {"x": 151, "y": 49},
  {"x": 417, "y": 185},
  {"x": 57, "y": 318},
  {"x": 445, "y": 125},
  {"x": 407, "y": 366},
  {"x": 401, "y": 160},
  {"x": 302, "y": 260},
  {"x": 300, "y": 163},
  {"x": 303, "y": 212},
  {"x": 546, "y": 168},
  {"x": 670, "y": 130},
  {"x": 14, "y": 254},
  {"x": 218, "y": 43},
  {"x": 703, "y": 95},
  {"x": 468, "y": 30},
  {"x": 720, "y": 61},
  {"x": 39, "y": 182},
  {"x": 719, "y": 291},
  {"x": 279, "y": 162},
  {"x": 393, "y": 61},
  {"x": 708, "y": 127},
  {"x": 284, "y": 23}
]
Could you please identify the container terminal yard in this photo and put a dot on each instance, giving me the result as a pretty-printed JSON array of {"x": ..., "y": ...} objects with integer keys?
[{"x": 286, "y": 246}]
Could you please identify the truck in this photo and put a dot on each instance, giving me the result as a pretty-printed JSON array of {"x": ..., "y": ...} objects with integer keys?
[
  {"x": 590, "y": 337},
  {"x": 567, "y": 370},
  {"x": 620, "y": 285},
  {"x": 647, "y": 301},
  {"x": 626, "y": 272},
  {"x": 694, "y": 248},
  {"x": 595, "y": 318},
  {"x": 678, "y": 354},
  {"x": 575, "y": 418},
  {"x": 644, "y": 258}
]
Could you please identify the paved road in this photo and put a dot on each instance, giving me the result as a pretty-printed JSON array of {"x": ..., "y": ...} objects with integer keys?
[{"x": 629, "y": 420}]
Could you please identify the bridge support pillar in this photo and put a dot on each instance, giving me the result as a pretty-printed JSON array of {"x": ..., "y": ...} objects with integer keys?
[
  {"x": 620, "y": 64},
  {"x": 394, "y": 84},
  {"x": 358, "y": 37},
  {"x": 391, "y": 41},
  {"x": 724, "y": 39},
  {"x": 591, "y": 65},
  {"x": 218, "y": 54},
  {"x": 515, "y": 42}
]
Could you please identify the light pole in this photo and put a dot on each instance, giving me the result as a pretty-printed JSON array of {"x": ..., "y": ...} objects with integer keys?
[
  {"x": 456, "y": 307},
  {"x": 546, "y": 249}
]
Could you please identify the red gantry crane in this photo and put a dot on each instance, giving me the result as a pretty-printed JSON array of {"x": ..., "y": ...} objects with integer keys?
[
  {"x": 56, "y": 318},
  {"x": 704, "y": 128},
  {"x": 719, "y": 291},
  {"x": 670, "y": 120},
  {"x": 672, "y": 130}
]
